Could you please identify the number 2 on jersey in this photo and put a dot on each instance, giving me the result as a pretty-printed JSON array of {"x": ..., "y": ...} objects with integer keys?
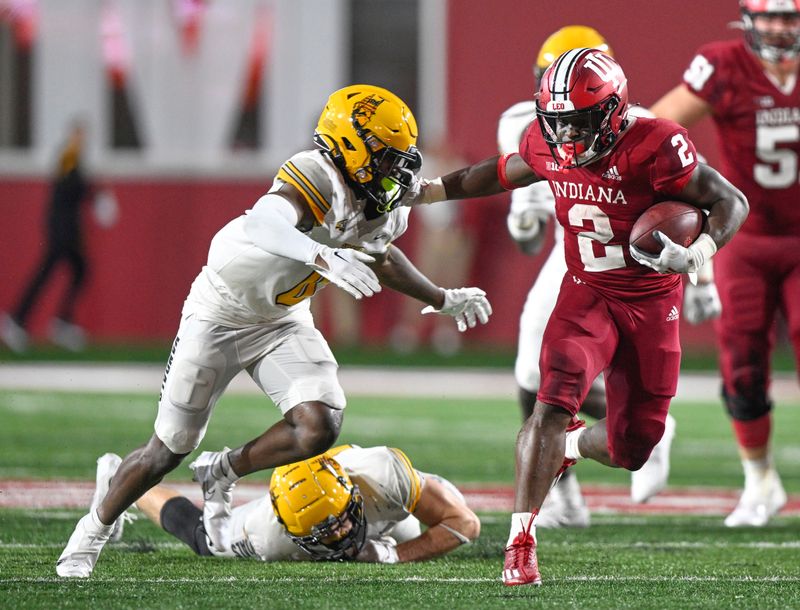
[{"x": 614, "y": 257}]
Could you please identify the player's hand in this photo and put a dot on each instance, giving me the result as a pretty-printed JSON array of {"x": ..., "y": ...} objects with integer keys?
[
  {"x": 701, "y": 302},
  {"x": 466, "y": 305},
  {"x": 526, "y": 228},
  {"x": 383, "y": 550},
  {"x": 674, "y": 258},
  {"x": 347, "y": 269},
  {"x": 423, "y": 191}
]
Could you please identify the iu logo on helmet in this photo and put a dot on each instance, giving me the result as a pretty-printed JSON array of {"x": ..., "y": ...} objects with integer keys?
[{"x": 605, "y": 69}]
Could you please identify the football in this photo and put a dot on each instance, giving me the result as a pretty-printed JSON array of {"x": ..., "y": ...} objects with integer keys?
[{"x": 679, "y": 221}]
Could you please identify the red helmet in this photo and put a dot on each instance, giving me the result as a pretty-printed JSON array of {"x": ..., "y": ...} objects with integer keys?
[
  {"x": 581, "y": 106},
  {"x": 777, "y": 42}
]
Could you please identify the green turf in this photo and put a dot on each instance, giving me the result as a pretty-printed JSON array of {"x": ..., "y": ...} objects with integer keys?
[
  {"x": 634, "y": 561},
  {"x": 475, "y": 355},
  {"x": 58, "y": 435},
  {"x": 658, "y": 562}
]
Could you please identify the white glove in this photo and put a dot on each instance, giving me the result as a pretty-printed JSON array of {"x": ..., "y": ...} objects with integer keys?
[
  {"x": 382, "y": 550},
  {"x": 466, "y": 305},
  {"x": 525, "y": 228},
  {"x": 347, "y": 269},
  {"x": 674, "y": 258},
  {"x": 423, "y": 192},
  {"x": 701, "y": 302}
]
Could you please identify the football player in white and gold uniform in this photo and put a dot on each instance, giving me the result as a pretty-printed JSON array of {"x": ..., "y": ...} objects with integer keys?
[
  {"x": 330, "y": 216},
  {"x": 349, "y": 503}
]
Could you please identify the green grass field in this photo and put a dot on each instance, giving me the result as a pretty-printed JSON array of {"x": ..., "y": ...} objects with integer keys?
[{"x": 622, "y": 561}]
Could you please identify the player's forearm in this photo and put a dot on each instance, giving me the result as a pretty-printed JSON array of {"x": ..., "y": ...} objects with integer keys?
[
  {"x": 438, "y": 540},
  {"x": 399, "y": 273},
  {"x": 474, "y": 181},
  {"x": 726, "y": 216},
  {"x": 271, "y": 225}
]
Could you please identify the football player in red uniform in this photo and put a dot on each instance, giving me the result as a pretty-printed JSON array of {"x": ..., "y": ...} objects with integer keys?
[
  {"x": 750, "y": 89},
  {"x": 618, "y": 308}
]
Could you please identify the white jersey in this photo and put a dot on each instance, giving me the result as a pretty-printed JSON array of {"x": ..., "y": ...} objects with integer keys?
[
  {"x": 389, "y": 484},
  {"x": 536, "y": 198},
  {"x": 241, "y": 284}
]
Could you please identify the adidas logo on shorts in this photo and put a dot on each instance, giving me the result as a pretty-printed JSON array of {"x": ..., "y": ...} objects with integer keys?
[{"x": 673, "y": 314}]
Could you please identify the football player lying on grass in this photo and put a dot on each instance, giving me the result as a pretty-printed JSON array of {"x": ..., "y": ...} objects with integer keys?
[{"x": 348, "y": 503}]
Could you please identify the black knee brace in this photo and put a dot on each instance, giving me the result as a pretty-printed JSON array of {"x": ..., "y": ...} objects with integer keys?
[
  {"x": 747, "y": 408},
  {"x": 184, "y": 520}
]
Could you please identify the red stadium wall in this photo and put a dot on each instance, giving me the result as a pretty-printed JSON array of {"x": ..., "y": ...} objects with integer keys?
[{"x": 141, "y": 269}]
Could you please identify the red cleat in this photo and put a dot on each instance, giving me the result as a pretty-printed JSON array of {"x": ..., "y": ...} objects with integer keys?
[{"x": 521, "y": 566}]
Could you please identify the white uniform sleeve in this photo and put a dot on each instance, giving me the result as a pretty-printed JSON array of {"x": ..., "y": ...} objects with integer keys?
[{"x": 270, "y": 224}]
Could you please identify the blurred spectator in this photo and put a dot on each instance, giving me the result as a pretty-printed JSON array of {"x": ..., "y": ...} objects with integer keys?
[{"x": 64, "y": 243}]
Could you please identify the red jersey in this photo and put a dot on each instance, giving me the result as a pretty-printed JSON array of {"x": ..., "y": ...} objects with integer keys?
[
  {"x": 758, "y": 129},
  {"x": 598, "y": 204}
]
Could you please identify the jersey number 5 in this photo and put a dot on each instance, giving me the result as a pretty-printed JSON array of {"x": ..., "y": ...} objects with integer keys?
[
  {"x": 779, "y": 169},
  {"x": 613, "y": 257}
]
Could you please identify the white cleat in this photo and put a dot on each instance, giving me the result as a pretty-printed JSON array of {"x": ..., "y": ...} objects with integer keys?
[
  {"x": 651, "y": 478},
  {"x": 209, "y": 469},
  {"x": 83, "y": 549},
  {"x": 13, "y": 335},
  {"x": 760, "y": 501},
  {"x": 107, "y": 465},
  {"x": 564, "y": 506},
  {"x": 67, "y": 335}
]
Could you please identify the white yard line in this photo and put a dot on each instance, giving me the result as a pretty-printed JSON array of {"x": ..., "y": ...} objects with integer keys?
[
  {"x": 356, "y": 381},
  {"x": 738, "y": 578}
]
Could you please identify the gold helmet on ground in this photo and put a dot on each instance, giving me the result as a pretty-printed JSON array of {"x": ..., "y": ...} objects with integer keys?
[
  {"x": 371, "y": 135},
  {"x": 567, "y": 38},
  {"x": 320, "y": 508}
]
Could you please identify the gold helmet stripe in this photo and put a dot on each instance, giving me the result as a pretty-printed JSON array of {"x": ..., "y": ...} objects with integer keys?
[
  {"x": 416, "y": 484},
  {"x": 318, "y": 204}
]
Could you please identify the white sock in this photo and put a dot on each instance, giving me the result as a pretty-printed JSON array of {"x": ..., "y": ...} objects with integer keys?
[
  {"x": 519, "y": 523},
  {"x": 756, "y": 470},
  {"x": 226, "y": 471},
  {"x": 571, "y": 450},
  {"x": 94, "y": 518}
]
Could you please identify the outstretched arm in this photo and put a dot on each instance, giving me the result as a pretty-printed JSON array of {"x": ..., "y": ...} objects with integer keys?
[
  {"x": 466, "y": 305},
  {"x": 487, "y": 177},
  {"x": 450, "y": 523}
]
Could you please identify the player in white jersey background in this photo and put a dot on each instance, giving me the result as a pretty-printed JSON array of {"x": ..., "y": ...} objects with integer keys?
[
  {"x": 331, "y": 215},
  {"x": 349, "y": 503},
  {"x": 531, "y": 209}
]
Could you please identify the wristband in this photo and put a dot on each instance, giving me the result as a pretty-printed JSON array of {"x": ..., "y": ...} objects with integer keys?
[
  {"x": 502, "y": 177},
  {"x": 701, "y": 250}
]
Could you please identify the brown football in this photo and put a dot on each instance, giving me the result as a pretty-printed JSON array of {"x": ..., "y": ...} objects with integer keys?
[{"x": 679, "y": 221}]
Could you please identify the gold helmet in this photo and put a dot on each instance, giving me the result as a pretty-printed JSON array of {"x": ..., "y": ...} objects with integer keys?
[
  {"x": 567, "y": 38},
  {"x": 371, "y": 135},
  {"x": 320, "y": 508}
]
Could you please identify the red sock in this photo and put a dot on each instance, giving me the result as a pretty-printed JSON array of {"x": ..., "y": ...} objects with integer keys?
[{"x": 754, "y": 433}]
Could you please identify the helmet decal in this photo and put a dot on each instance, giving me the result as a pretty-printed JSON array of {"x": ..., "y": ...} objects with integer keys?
[
  {"x": 582, "y": 106},
  {"x": 371, "y": 135}
]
